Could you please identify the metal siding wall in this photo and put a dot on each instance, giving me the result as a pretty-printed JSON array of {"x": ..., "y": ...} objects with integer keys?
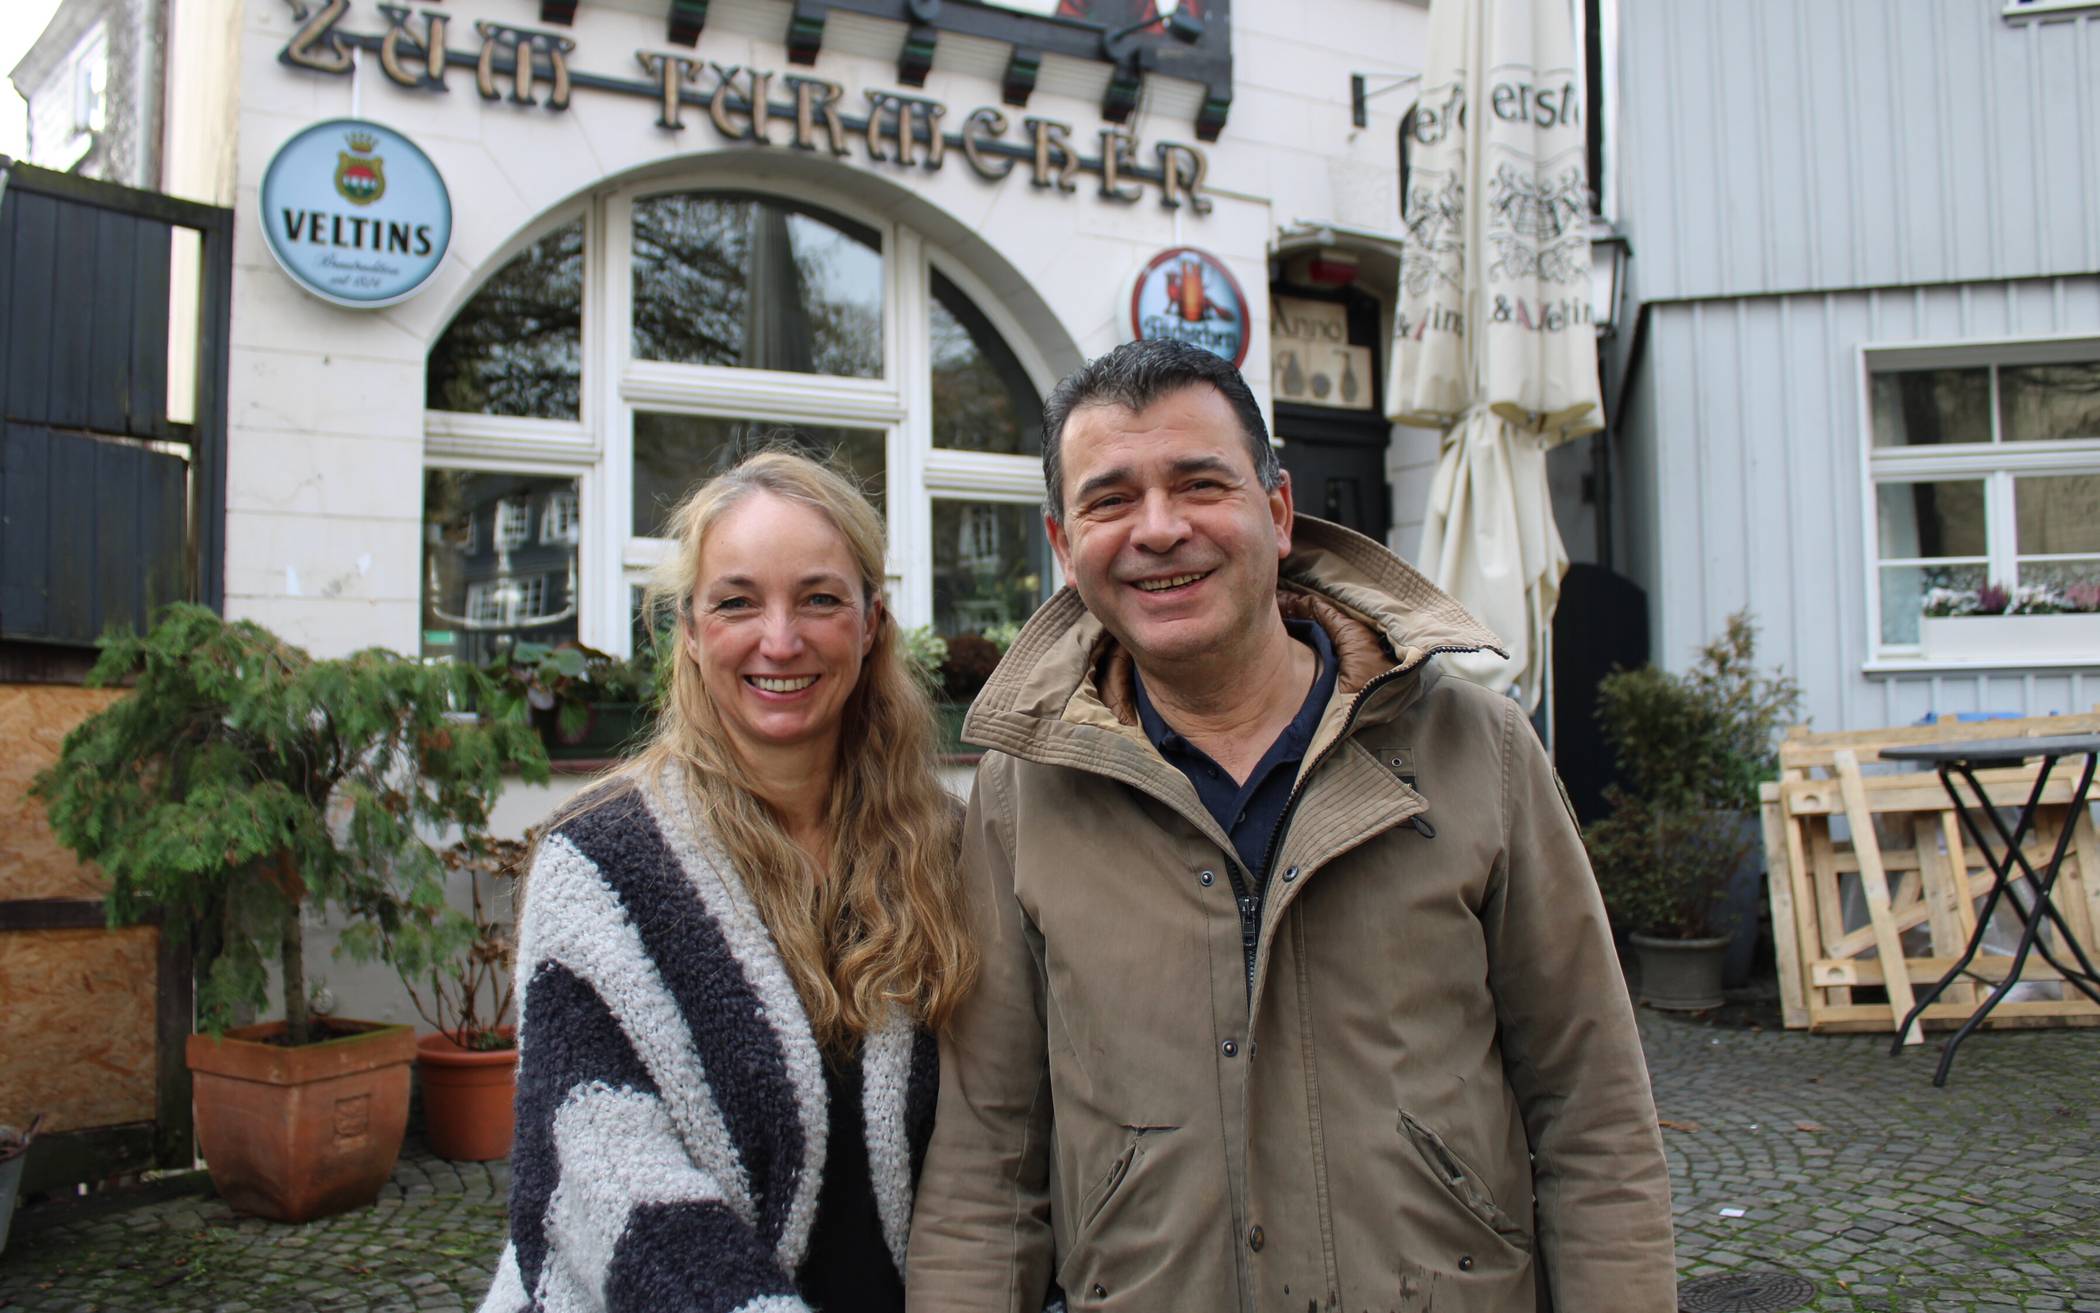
[
  {"x": 1743, "y": 445},
  {"x": 1795, "y": 145}
]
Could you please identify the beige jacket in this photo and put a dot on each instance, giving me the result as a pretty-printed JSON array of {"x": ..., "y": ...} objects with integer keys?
[{"x": 1432, "y": 1096}]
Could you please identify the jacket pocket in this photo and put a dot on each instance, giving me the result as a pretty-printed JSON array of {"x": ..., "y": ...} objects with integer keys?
[
  {"x": 1097, "y": 1199},
  {"x": 1463, "y": 1183}
]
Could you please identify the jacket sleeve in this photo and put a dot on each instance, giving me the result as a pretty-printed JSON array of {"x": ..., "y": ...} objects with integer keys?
[
  {"x": 981, "y": 1237},
  {"x": 608, "y": 1209},
  {"x": 1573, "y": 1054}
]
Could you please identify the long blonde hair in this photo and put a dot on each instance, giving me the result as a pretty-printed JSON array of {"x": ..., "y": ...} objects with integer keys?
[{"x": 884, "y": 925}]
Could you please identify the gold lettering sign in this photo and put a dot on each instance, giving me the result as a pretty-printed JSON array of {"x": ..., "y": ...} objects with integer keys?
[{"x": 898, "y": 128}]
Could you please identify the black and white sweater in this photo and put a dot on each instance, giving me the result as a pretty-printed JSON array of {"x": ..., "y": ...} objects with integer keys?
[{"x": 671, "y": 1097}]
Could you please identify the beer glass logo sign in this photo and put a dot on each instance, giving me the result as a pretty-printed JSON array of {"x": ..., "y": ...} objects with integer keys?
[
  {"x": 1190, "y": 296},
  {"x": 355, "y": 213}
]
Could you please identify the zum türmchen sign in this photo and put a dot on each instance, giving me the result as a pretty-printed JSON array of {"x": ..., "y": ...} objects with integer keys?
[{"x": 755, "y": 106}]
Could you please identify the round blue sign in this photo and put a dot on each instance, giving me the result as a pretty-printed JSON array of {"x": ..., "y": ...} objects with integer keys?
[{"x": 356, "y": 213}]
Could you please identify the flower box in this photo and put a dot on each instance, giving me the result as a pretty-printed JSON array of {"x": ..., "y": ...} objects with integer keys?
[{"x": 2039, "y": 639}]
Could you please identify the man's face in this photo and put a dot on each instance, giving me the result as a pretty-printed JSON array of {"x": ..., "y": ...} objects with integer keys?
[{"x": 1169, "y": 536}]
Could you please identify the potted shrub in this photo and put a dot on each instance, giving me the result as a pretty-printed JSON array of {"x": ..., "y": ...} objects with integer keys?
[
  {"x": 1691, "y": 751},
  {"x": 238, "y": 784},
  {"x": 458, "y": 975}
]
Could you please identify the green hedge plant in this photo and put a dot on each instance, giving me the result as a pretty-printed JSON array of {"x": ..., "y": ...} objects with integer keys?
[{"x": 240, "y": 781}]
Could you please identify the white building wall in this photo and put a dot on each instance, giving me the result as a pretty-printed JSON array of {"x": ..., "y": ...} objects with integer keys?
[
  {"x": 1742, "y": 453},
  {"x": 326, "y": 437},
  {"x": 1803, "y": 144}
]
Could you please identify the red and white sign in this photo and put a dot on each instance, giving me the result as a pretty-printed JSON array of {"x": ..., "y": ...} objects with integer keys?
[{"x": 1190, "y": 295}]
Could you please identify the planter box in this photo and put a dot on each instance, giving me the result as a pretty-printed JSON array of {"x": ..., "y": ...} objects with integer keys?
[
  {"x": 2030, "y": 638},
  {"x": 615, "y": 729},
  {"x": 297, "y": 1133}
]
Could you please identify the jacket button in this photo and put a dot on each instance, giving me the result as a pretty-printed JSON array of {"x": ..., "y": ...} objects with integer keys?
[
  {"x": 1254, "y": 1238},
  {"x": 1290, "y": 875},
  {"x": 1099, "y": 1291},
  {"x": 1230, "y": 1048},
  {"x": 1206, "y": 878},
  {"x": 1465, "y": 1263}
]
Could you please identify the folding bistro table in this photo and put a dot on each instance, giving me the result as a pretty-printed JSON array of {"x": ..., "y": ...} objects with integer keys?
[{"x": 1964, "y": 759}]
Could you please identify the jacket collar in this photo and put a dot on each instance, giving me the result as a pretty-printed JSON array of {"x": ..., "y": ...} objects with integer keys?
[{"x": 1062, "y": 694}]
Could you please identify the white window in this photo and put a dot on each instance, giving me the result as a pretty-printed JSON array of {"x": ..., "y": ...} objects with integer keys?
[
  {"x": 731, "y": 312},
  {"x": 1983, "y": 468},
  {"x": 558, "y": 523},
  {"x": 91, "y": 84},
  {"x": 513, "y": 521}
]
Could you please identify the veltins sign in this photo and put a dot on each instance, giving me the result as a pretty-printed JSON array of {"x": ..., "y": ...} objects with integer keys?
[
  {"x": 1190, "y": 295},
  {"x": 355, "y": 213}
]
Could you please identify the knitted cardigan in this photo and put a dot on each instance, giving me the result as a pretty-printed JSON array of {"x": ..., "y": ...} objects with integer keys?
[{"x": 672, "y": 1109}]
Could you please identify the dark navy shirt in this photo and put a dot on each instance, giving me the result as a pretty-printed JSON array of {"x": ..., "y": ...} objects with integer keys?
[{"x": 1248, "y": 812}]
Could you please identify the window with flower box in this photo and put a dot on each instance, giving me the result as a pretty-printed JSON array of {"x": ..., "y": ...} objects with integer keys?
[
  {"x": 1984, "y": 479},
  {"x": 726, "y": 315}
]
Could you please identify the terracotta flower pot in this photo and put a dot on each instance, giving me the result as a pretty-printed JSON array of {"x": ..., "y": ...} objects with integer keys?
[
  {"x": 298, "y": 1133},
  {"x": 467, "y": 1098}
]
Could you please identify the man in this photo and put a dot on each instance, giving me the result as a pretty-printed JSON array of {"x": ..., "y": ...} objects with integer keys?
[{"x": 1297, "y": 992}]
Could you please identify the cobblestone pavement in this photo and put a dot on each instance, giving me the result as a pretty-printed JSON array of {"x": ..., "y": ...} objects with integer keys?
[{"x": 1848, "y": 1167}]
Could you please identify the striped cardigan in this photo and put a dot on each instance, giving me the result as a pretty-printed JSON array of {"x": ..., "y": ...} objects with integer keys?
[{"x": 671, "y": 1098}]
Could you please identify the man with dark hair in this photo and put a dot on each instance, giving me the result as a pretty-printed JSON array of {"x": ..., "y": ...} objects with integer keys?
[{"x": 1297, "y": 991}]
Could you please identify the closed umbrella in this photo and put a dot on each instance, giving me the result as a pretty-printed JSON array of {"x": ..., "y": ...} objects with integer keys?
[{"x": 1493, "y": 339}]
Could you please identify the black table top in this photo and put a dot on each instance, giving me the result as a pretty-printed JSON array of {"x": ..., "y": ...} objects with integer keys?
[{"x": 1979, "y": 752}]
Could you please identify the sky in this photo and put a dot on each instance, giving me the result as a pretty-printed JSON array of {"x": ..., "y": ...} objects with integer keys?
[{"x": 21, "y": 22}]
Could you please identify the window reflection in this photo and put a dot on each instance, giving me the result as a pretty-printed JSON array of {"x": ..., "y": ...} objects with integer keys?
[
  {"x": 517, "y": 346},
  {"x": 493, "y": 574},
  {"x": 673, "y": 453},
  {"x": 728, "y": 279},
  {"x": 2045, "y": 403},
  {"x": 991, "y": 565},
  {"x": 1920, "y": 407},
  {"x": 982, "y": 398},
  {"x": 1932, "y": 519}
]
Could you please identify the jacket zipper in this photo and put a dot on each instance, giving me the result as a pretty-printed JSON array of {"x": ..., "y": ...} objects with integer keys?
[{"x": 1250, "y": 907}]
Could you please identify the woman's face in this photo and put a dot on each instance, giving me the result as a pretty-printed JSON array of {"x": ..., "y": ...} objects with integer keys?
[{"x": 779, "y": 628}]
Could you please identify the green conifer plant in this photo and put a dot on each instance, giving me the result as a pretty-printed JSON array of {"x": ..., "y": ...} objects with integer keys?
[{"x": 240, "y": 781}]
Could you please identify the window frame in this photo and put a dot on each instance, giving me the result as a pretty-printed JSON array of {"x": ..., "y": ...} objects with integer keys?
[
  {"x": 1997, "y": 464},
  {"x": 597, "y": 448}
]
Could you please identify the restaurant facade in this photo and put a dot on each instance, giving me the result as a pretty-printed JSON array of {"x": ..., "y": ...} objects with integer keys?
[{"x": 511, "y": 276}]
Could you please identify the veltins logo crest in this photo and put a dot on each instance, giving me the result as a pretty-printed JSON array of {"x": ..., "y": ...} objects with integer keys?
[
  {"x": 360, "y": 176},
  {"x": 1190, "y": 295}
]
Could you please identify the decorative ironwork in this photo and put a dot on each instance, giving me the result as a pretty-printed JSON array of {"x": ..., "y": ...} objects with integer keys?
[
  {"x": 1122, "y": 95},
  {"x": 805, "y": 34},
  {"x": 1746, "y": 1292},
  {"x": 1018, "y": 82},
  {"x": 687, "y": 18},
  {"x": 915, "y": 61}
]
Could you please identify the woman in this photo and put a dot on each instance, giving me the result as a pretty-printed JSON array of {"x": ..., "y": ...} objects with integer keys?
[{"x": 731, "y": 955}]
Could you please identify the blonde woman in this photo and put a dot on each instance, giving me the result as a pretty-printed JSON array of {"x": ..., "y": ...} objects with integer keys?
[{"x": 732, "y": 955}]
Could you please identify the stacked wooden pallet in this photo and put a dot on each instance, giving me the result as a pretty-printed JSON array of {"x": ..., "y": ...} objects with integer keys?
[{"x": 1870, "y": 864}]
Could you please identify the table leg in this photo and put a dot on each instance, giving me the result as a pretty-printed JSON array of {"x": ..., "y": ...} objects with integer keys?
[
  {"x": 2045, "y": 903},
  {"x": 1999, "y": 870}
]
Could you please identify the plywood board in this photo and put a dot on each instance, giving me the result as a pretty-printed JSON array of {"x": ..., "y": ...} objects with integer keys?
[
  {"x": 34, "y": 720},
  {"x": 77, "y": 1026}
]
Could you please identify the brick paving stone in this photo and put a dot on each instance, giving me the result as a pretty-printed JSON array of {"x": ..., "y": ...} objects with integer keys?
[{"x": 1850, "y": 1169}]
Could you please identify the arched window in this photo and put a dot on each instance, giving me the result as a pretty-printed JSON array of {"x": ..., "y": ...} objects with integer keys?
[{"x": 725, "y": 315}]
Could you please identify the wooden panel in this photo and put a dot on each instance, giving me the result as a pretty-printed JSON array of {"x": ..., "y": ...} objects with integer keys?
[
  {"x": 77, "y": 1035},
  {"x": 107, "y": 390},
  {"x": 34, "y": 719},
  {"x": 72, "y": 333},
  {"x": 29, "y": 315},
  {"x": 25, "y": 547},
  {"x": 146, "y": 408},
  {"x": 1888, "y": 941},
  {"x": 1779, "y": 888}
]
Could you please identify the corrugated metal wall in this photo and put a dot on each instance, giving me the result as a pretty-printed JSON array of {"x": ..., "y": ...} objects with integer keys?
[
  {"x": 1785, "y": 145},
  {"x": 1740, "y": 455}
]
